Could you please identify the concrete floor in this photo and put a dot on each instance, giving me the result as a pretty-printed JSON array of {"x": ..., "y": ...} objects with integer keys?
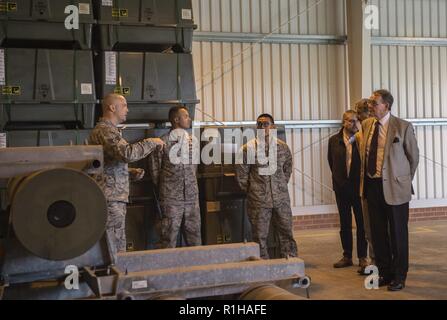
[{"x": 427, "y": 278}]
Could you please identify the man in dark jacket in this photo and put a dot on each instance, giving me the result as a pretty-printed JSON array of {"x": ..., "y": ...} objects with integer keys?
[{"x": 344, "y": 161}]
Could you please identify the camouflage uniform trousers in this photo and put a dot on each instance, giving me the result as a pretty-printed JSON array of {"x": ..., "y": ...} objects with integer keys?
[
  {"x": 173, "y": 216},
  {"x": 116, "y": 226},
  {"x": 282, "y": 218}
]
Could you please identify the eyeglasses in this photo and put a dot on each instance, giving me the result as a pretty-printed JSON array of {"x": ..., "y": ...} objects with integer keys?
[{"x": 261, "y": 124}]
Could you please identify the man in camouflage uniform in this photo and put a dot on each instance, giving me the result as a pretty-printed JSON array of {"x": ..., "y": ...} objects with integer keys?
[
  {"x": 114, "y": 181},
  {"x": 177, "y": 183},
  {"x": 268, "y": 195}
]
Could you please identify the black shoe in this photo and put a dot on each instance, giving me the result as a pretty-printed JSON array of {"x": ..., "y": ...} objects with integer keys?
[
  {"x": 363, "y": 263},
  {"x": 344, "y": 263},
  {"x": 383, "y": 281},
  {"x": 396, "y": 285}
]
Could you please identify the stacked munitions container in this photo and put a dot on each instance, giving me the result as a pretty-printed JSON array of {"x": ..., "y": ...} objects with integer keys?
[
  {"x": 143, "y": 51},
  {"x": 52, "y": 76},
  {"x": 46, "y": 72}
]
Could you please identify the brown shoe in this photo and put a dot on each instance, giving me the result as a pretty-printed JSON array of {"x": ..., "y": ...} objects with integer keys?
[
  {"x": 344, "y": 263},
  {"x": 363, "y": 263}
]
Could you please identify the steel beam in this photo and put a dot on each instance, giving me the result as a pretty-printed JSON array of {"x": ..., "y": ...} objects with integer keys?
[
  {"x": 186, "y": 257},
  {"x": 241, "y": 37},
  {"x": 407, "y": 41},
  {"x": 211, "y": 277}
]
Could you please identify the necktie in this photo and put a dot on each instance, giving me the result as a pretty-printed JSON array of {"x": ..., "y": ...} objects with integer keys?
[{"x": 372, "y": 158}]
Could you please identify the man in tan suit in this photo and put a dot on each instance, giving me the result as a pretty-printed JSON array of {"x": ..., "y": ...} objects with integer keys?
[
  {"x": 364, "y": 111},
  {"x": 390, "y": 156}
]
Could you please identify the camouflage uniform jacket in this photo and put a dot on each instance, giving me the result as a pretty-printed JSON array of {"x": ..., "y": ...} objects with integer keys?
[
  {"x": 117, "y": 154},
  {"x": 176, "y": 183},
  {"x": 266, "y": 191}
]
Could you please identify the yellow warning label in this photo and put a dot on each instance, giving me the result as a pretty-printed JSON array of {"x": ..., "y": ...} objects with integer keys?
[
  {"x": 12, "y": 6},
  {"x": 125, "y": 91},
  {"x": 6, "y": 91},
  {"x": 15, "y": 91},
  {"x": 11, "y": 91},
  {"x": 124, "y": 13},
  {"x": 119, "y": 12},
  {"x": 8, "y": 6}
]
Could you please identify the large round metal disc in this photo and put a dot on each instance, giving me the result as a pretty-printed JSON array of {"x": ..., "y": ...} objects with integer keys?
[{"x": 58, "y": 214}]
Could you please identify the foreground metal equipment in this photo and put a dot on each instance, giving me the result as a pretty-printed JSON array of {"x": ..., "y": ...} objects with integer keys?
[
  {"x": 182, "y": 273},
  {"x": 56, "y": 219},
  {"x": 56, "y": 213}
]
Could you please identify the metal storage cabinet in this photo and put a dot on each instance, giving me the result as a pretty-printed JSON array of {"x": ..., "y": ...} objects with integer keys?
[
  {"x": 46, "y": 76},
  {"x": 40, "y": 23},
  {"x": 36, "y": 138},
  {"x": 148, "y": 77},
  {"x": 50, "y": 116},
  {"x": 145, "y": 25},
  {"x": 42, "y": 85}
]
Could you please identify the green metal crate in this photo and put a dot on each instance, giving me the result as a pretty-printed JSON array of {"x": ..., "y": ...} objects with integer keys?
[{"x": 27, "y": 23}]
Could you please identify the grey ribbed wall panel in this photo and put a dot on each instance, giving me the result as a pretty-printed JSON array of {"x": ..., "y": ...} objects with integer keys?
[
  {"x": 265, "y": 16},
  {"x": 237, "y": 81},
  {"x": 431, "y": 178},
  {"x": 416, "y": 75},
  {"x": 311, "y": 183},
  {"x": 412, "y": 18}
]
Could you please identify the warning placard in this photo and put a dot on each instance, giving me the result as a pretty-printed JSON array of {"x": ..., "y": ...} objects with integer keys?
[
  {"x": 11, "y": 91},
  {"x": 120, "y": 13},
  {"x": 8, "y": 6},
  {"x": 125, "y": 91}
]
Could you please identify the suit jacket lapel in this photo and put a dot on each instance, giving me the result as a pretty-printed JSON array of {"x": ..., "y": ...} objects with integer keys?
[
  {"x": 390, "y": 135},
  {"x": 342, "y": 146},
  {"x": 365, "y": 137}
]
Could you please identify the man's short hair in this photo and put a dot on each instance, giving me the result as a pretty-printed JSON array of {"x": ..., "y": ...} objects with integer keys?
[
  {"x": 352, "y": 112},
  {"x": 362, "y": 106},
  {"x": 174, "y": 111},
  {"x": 109, "y": 100},
  {"x": 266, "y": 115},
  {"x": 386, "y": 96}
]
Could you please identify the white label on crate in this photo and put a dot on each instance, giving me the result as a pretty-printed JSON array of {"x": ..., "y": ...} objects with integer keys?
[
  {"x": 139, "y": 284},
  {"x": 86, "y": 88},
  {"x": 107, "y": 3},
  {"x": 2, "y": 68},
  {"x": 84, "y": 8},
  {"x": 110, "y": 58},
  {"x": 186, "y": 14},
  {"x": 2, "y": 139}
]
